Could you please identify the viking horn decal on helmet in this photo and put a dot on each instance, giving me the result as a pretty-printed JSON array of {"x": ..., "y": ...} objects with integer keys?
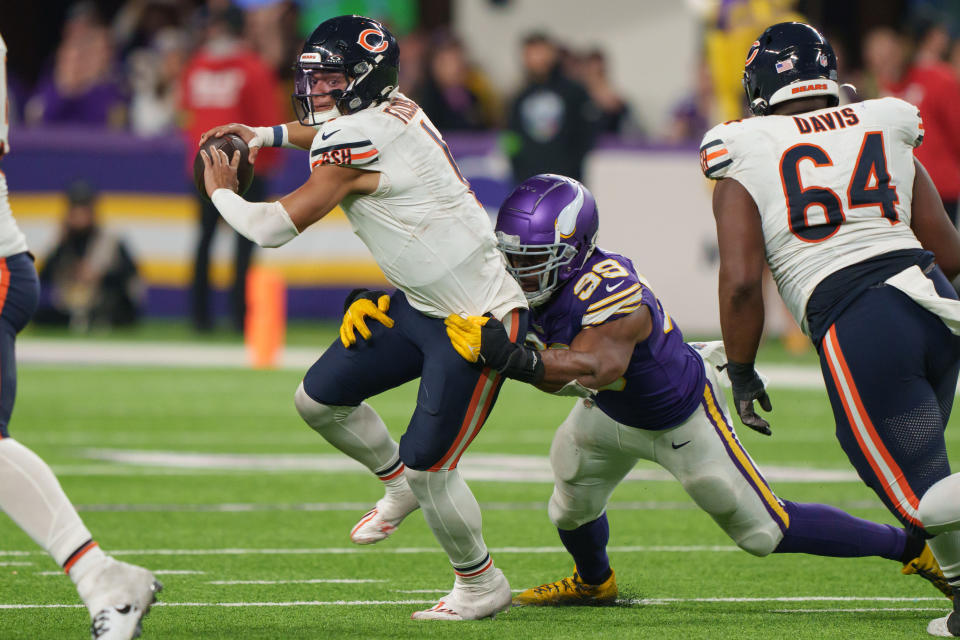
[{"x": 567, "y": 219}]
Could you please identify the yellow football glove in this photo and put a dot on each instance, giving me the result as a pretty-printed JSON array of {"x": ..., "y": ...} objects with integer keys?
[
  {"x": 484, "y": 340},
  {"x": 359, "y": 305},
  {"x": 464, "y": 334}
]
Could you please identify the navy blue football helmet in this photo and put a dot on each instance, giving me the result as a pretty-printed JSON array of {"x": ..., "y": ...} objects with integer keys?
[
  {"x": 789, "y": 60},
  {"x": 358, "y": 47}
]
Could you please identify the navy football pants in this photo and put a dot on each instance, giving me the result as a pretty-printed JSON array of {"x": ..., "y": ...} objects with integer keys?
[
  {"x": 19, "y": 293},
  {"x": 454, "y": 398},
  {"x": 891, "y": 372}
]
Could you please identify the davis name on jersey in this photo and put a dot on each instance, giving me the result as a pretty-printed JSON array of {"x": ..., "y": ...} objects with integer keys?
[
  {"x": 665, "y": 378},
  {"x": 425, "y": 228},
  {"x": 833, "y": 186}
]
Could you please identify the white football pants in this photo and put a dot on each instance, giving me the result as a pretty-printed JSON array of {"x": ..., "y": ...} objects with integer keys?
[{"x": 591, "y": 453}]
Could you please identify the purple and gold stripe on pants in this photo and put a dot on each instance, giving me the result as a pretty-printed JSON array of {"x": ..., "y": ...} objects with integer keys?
[{"x": 741, "y": 459}]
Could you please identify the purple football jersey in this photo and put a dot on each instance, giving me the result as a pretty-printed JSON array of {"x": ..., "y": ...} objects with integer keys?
[{"x": 665, "y": 379}]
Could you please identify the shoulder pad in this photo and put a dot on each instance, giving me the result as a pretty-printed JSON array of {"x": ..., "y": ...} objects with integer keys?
[
  {"x": 715, "y": 153},
  {"x": 899, "y": 115},
  {"x": 342, "y": 142},
  {"x": 610, "y": 289}
]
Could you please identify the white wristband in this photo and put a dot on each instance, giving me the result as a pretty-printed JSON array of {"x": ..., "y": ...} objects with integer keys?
[{"x": 266, "y": 223}]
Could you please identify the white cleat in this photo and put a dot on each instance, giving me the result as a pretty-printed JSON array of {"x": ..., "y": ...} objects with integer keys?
[
  {"x": 122, "y": 596},
  {"x": 471, "y": 600},
  {"x": 940, "y": 628},
  {"x": 381, "y": 521}
]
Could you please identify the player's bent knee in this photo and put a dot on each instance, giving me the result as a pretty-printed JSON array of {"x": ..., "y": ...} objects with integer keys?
[
  {"x": 939, "y": 507},
  {"x": 319, "y": 416},
  {"x": 713, "y": 493},
  {"x": 760, "y": 541},
  {"x": 568, "y": 513},
  {"x": 565, "y": 455}
]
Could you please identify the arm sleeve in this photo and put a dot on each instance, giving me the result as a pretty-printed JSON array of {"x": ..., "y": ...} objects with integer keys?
[{"x": 266, "y": 223}]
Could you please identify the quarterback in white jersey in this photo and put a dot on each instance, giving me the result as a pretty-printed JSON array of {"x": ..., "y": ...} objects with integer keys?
[
  {"x": 375, "y": 153},
  {"x": 861, "y": 249},
  {"x": 116, "y": 594}
]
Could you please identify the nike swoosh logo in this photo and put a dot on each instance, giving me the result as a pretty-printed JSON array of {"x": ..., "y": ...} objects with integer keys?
[
  {"x": 615, "y": 287},
  {"x": 324, "y": 136},
  {"x": 682, "y": 444}
]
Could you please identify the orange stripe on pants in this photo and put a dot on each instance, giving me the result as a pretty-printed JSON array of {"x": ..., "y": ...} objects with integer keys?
[{"x": 885, "y": 468}]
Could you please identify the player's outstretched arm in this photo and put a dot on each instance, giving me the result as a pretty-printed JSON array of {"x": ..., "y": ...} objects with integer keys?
[
  {"x": 290, "y": 134},
  {"x": 742, "y": 256},
  {"x": 597, "y": 356},
  {"x": 931, "y": 225},
  {"x": 271, "y": 224}
]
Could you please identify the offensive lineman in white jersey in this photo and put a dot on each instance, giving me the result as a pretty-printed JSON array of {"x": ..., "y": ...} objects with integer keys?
[
  {"x": 117, "y": 594},
  {"x": 861, "y": 248},
  {"x": 375, "y": 153}
]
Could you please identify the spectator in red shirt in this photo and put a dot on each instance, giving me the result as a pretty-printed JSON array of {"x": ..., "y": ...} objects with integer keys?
[
  {"x": 225, "y": 81},
  {"x": 929, "y": 83}
]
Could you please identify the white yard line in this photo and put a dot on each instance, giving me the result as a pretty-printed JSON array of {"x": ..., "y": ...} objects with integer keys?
[
  {"x": 295, "y": 603},
  {"x": 157, "y": 572},
  {"x": 311, "y": 581},
  {"x": 77, "y": 351},
  {"x": 383, "y": 550},
  {"x": 245, "y": 507},
  {"x": 791, "y": 599},
  {"x": 860, "y": 610},
  {"x": 490, "y": 467},
  {"x": 645, "y": 601}
]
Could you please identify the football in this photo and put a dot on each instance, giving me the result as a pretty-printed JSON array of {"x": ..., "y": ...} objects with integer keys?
[{"x": 228, "y": 143}]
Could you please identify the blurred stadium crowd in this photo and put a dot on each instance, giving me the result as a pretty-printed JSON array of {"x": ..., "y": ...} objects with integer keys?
[
  {"x": 117, "y": 63},
  {"x": 130, "y": 67}
]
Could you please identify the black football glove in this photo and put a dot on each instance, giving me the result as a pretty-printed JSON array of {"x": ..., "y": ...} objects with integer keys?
[
  {"x": 747, "y": 387},
  {"x": 484, "y": 340}
]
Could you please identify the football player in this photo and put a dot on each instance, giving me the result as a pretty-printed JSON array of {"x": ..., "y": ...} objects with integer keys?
[
  {"x": 117, "y": 594},
  {"x": 862, "y": 252},
  {"x": 647, "y": 394},
  {"x": 374, "y": 152}
]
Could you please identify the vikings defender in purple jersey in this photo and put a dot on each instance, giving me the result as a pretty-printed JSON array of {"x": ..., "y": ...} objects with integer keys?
[{"x": 600, "y": 333}]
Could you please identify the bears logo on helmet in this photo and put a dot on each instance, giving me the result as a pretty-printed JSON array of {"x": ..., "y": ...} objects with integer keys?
[{"x": 375, "y": 48}]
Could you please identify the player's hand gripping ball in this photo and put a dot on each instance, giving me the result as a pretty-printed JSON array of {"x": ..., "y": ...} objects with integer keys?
[{"x": 228, "y": 144}]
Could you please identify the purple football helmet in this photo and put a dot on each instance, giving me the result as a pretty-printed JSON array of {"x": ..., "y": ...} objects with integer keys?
[{"x": 547, "y": 227}]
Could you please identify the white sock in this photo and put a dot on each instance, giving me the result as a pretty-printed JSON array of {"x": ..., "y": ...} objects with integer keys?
[
  {"x": 452, "y": 512},
  {"x": 357, "y": 431},
  {"x": 946, "y": 549},
  {"x": 31, "y": 495}
]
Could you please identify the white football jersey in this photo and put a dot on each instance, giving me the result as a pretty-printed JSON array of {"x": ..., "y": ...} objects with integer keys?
[
  {"x": 425, "y": 228},
  {"x": 833, "y": 186},
  {"x": 12, "y": 240}
]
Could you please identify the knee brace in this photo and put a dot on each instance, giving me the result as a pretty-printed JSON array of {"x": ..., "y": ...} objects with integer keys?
[{"x": 940, "y": 506}]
